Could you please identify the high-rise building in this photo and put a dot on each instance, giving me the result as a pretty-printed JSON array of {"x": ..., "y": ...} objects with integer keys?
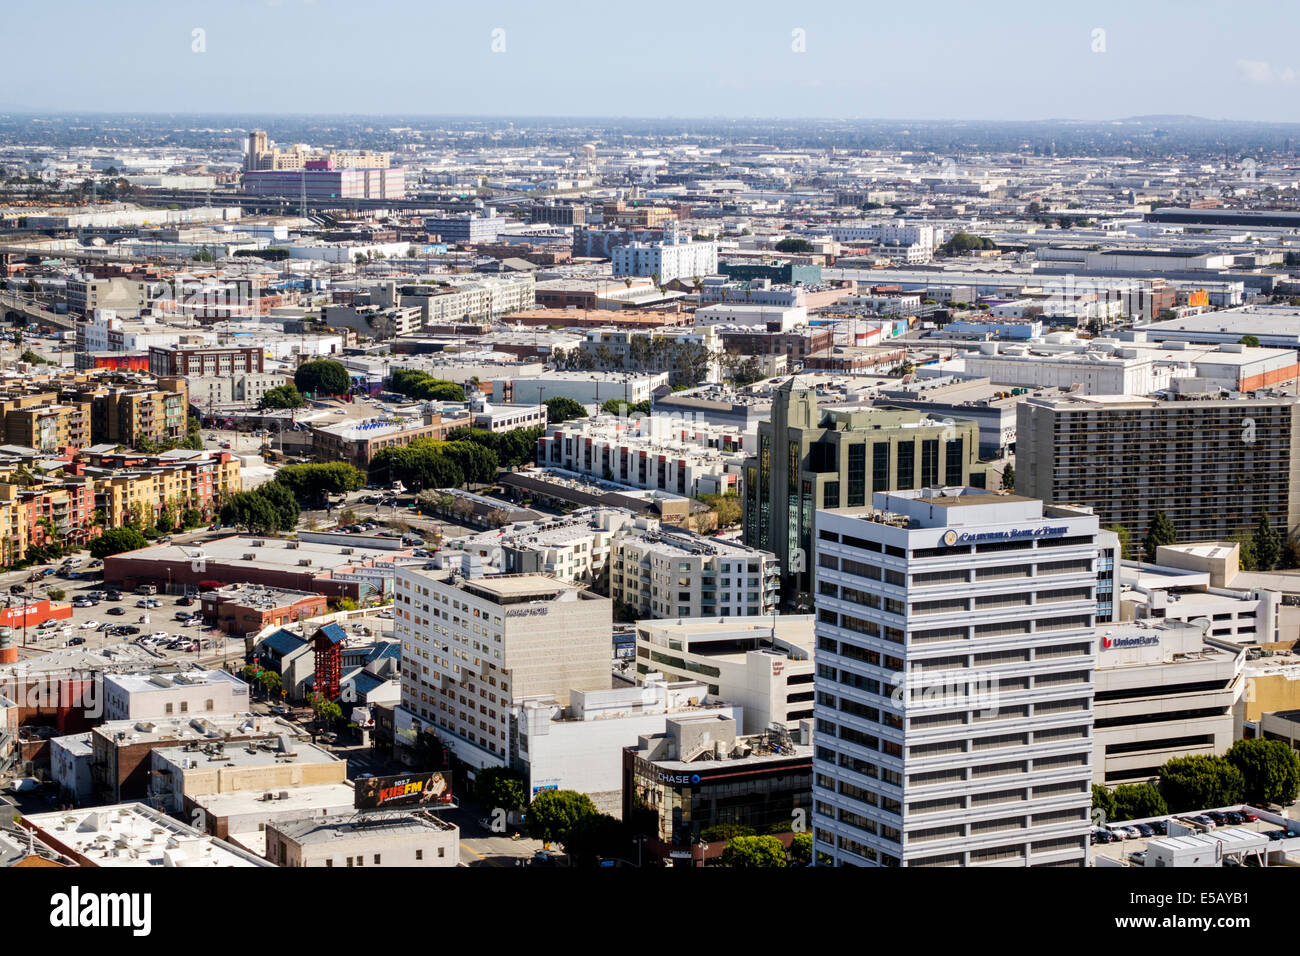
[
  {"x": 474, "y": 648},
  {"x": 1213, "y": 465},
  {"x": 955, "y": 658},
  {"x": 811, "y": 458}
]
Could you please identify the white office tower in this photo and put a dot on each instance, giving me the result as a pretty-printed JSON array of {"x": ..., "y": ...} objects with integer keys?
[{"x": 955, "y": 657}]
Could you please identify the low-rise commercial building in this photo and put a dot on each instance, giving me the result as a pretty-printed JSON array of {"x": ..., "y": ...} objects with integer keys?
[
  {"x": 141, "y": 696},
  {"x": 364, "y": 840},
  {"x": 701, "y": 773},
  {"x": 1162, "y": 691},
  {"x": 763, "y": 665}
]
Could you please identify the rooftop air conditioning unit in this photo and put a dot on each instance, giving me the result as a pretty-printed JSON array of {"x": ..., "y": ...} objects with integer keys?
[
  {"x": 291, "y": 544},
  {"x": 348, "y": 551},
  {"x": 258, "y": 543},
  {"x": 249, "y": 556},
  {"x": 304, "y": 562}
]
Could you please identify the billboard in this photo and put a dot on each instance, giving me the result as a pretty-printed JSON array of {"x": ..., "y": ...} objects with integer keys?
[{"x": 428, "y": 790}]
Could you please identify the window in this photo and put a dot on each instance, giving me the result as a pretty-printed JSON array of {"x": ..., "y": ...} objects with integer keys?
[
  {"x": 857, "y": 476},
  {"x": 376, "y": 859}
]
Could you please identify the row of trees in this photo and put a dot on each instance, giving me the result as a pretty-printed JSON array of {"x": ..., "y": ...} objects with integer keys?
[
  {"x": 689, "y": 362},
  {"x": 275, "y": 506},
  {"x": 268, "y": 508},
  {"x": 1257, "y": 772},
  {"x": 426, "y": 463},
  {"x": 423, "y": 387},
  {"x": 570, "y": 818},
  {"x": 1261, "y": 549},
  {"x": 513, "y": 448}
]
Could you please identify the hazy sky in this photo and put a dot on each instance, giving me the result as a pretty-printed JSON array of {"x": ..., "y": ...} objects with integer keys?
[{"x": 924, "y": 60}]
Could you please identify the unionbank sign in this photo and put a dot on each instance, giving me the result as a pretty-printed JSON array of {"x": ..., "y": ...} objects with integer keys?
[
  {"x": 1119, "y": 643},
  {"x": 952, "y": 536}
]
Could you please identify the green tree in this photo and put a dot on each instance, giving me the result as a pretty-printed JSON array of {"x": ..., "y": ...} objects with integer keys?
[
  {"x": 1269, "y": 768},
  {"x": 563, "y": 410},
  {"x": 553, "y": 813},
  {"x": 500, "y": 787},
  {"x": 1125, "y": 541},
  {"x": 1159, "y": 534},
  {"x": 721, "y": 832},
  {"x": 1103, "y": 803},
  {"x": 1268, "y": 544},
  {"x": 312, "y": 483},
  {"x": 1009, "y": 478},
  {"x": 1246, "y": 557},
  {"x": 322, "y": 377},
  {"x": 271, "y": 683},
  {"x": 191, "y": 518},
  {"x": 1200, "y": 781},
  {"x": 794, "y": 245},
  {"x": 1249, "y": 341},
  {"x": 282, "y": 396},
  {"x": 116, "y": 541},
  {"x": 31, "y": 358},
  {"x": 56, "y": 594},
  {"x": 251, "y": 511},
  {"x": 597, "y": 835},
  {"x": 1138, "y": 801},
  {"x": 754, "y": 851},
  {"x": 801, "y": 849},
  {"x": 963, "y": 242}
]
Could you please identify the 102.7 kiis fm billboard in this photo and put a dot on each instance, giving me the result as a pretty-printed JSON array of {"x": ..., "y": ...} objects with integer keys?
[{"x": 431, "y": 790}]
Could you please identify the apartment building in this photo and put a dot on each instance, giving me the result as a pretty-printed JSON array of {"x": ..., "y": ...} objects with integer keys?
[
  {"x": 131, "y": 485},
  {"x": 1163, "y": 690},
  {"x": 955, "y": 658},
  {"x": 483, "y": 298},
  {"x": 678, "y": 456},
  {"x": 86, "y": 294},
  {"x": 473, "y": 648},
  {"x": 691, "y": 356},
  {"x": 185, "y": 362},
  {"x": 1213, "y": 465},
  {"x": 676, "y": 257},
  {"x": 811, "y": 459},
  {"x": 676, "y": 573},
  {"x": 43, "y": 423},
  {"x": 763, "y": 665}
]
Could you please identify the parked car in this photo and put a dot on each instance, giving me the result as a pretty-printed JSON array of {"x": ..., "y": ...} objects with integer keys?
[
  {"x": 86, "y": 625},
  {"x": 113, "y": 596},
  {"x": 1219, "y": 818},
  {"x": 116, "y": 611},
  {"x": 1145, "y": 830},
  {"x": 1161, "y": 827},
  {"x": 1249, "y": 816},
  {"x": 186, "y": 601},
  {"x": 159, "y": 636},
  {"x": 1139, "y": 857},
  {"x": 1233, "y": 818},
  {"x": 74, "y": 641},
  {"x": 1101, "y": 835}
]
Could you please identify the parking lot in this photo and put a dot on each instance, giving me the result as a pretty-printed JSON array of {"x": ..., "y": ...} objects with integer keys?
[
  {"x": 88, "y": 627},
  {"x": 1125, "y": 849}
]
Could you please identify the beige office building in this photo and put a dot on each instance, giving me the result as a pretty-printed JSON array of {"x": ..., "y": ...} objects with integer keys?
[{"x": 473, "y": 647}]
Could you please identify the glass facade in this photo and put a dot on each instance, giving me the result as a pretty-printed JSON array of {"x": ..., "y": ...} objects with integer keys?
[{"x": 761, "y": 794}]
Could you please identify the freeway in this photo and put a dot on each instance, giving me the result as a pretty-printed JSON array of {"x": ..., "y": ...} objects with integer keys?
[{"x": 13, "y": 303}]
